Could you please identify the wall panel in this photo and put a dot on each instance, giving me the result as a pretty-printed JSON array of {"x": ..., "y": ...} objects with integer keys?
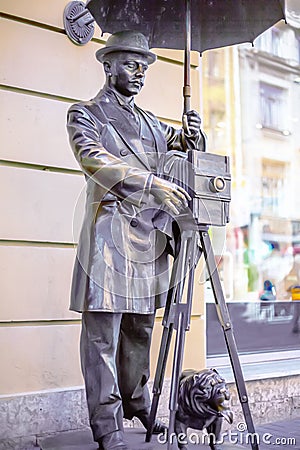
[
  {"x": 39, "y": 358},
  {"x": 38, "y": 205},
  {"x": 35, "y": 10},
  {"x": 34, "y": 130},
  {"x": 62, "y": 69},
  {"x": 35, "y": 283}
]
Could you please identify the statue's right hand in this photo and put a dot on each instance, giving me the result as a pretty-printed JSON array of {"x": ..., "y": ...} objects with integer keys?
[{"x": 169, "y": 194}]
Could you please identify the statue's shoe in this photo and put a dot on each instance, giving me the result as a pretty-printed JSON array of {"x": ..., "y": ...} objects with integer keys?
[{"x": 113, "y": 441}]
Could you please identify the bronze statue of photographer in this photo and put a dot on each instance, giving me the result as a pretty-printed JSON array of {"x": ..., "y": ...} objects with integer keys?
[{"x": 121, "y": 271}]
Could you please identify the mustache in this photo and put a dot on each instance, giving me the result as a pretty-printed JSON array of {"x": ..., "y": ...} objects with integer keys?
[{"x": 139, "y": 82}]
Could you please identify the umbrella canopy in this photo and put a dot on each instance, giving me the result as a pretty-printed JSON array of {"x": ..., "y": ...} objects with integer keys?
[
  {"x": 214, "y": 23},
  {"x": 189, "y": 24}
]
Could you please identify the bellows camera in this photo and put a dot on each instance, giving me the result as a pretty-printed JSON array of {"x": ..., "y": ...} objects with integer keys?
[{"x": 207, "y": 179}]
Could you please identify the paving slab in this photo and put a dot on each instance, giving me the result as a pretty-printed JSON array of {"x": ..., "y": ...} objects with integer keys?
[
  {"x": 280, "y": 435},
  {"x": 135, "y": 438}
]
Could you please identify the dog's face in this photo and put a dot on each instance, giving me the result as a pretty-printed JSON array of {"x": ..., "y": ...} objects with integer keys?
[
  {"x": 205, "y": 393},
  {"x": 219, "y": 399}
]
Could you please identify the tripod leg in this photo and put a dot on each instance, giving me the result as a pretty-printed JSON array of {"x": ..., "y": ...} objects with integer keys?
[
  {"x": 224, "y": 319},
  {"x": 168, "y": 324},
  {"x": 183, "y": 313},
  {"x": 177, "y": 366},
  {"x": 159, "y": 377}
]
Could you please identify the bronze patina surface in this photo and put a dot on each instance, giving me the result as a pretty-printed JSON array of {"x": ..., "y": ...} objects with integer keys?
[{"x": 121, "y": 271}]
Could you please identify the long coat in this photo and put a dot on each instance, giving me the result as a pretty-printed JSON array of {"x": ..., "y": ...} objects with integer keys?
[{"x": 122, "y": 259}]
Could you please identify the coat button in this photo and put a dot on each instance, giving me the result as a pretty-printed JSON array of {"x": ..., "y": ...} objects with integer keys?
[
  {"x": 124, "y": 152},
  {"x": 134, "y": 222}
]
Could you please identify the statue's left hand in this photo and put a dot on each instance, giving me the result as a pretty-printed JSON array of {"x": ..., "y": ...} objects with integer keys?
[{"x": 193, "y": 122}]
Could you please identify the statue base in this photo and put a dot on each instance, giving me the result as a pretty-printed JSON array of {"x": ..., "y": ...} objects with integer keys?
[{"x": 135, "y": 439}]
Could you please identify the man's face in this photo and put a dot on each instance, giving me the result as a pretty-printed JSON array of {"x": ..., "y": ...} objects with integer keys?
[{"x": 128, "y": 73}]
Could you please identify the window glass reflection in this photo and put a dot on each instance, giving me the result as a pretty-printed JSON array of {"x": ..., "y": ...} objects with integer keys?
[{"x": 252, "y": 113}]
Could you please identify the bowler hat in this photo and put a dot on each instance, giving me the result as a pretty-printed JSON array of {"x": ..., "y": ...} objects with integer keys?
[{"x": 126, "y": 41}]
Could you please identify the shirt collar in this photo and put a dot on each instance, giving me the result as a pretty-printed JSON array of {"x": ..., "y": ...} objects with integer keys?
[{"x": 121, "y": 99}]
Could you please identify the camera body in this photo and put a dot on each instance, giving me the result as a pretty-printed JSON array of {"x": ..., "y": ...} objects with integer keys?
[{"x": 206, "y": 177}]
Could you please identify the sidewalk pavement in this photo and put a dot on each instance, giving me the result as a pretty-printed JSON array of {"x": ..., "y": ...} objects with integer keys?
[{"x": 273, "y": 436}]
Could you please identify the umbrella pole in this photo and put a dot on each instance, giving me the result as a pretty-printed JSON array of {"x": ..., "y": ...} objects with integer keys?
[{"x": 187, "y": 59}]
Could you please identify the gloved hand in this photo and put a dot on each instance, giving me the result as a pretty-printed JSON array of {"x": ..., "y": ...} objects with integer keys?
[
  {"x": 191, "y": 122},
  {"x": 169, "y": 194}
]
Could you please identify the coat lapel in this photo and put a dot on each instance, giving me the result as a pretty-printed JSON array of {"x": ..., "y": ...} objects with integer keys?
[{"x": 125, "y": 129}]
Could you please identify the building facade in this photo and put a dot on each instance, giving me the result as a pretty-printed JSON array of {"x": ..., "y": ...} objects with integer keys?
[
  {"x": 251, "y": 112},
  {"x": 42, "y": 74}
]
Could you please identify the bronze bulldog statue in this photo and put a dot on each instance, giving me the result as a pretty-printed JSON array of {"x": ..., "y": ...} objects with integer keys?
[{"x": 203, "y": 402}]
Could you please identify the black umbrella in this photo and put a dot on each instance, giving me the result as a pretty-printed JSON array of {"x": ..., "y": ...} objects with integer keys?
[{"x": 189, "y": 24}]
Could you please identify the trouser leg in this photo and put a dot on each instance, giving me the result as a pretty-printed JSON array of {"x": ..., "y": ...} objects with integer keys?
[
  {"x": 98, "y": 349},
  {"x": 133, "y": 362}
]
